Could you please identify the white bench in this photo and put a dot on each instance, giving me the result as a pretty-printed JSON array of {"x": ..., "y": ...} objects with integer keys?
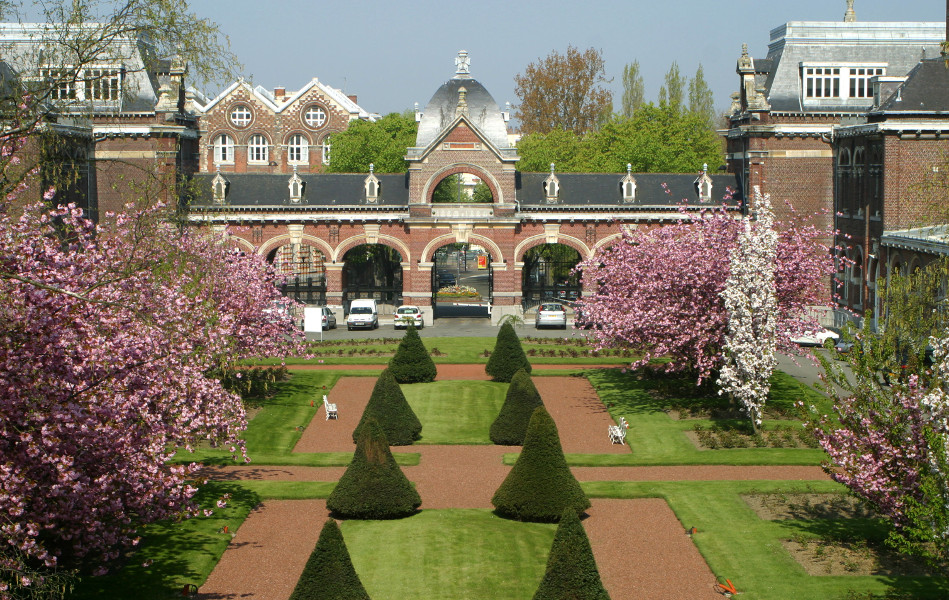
[
  {"x": 618, "y": 432},
  {"x": 330, "y": 409}
]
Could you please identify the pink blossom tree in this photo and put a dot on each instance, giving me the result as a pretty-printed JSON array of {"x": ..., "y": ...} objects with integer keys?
[
  {"x": 751, "y": 306},
  {"x": 106, "y": 349},
  {"x": 658, "y": 290}
]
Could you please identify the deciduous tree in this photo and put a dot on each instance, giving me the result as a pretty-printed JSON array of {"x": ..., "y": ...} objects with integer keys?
[
  {"x": 634, "y": 91},
  {"x": 752, "y": 311},
  {"x": 659, "y": 290},
  {"x": 672, "y": 92},
  {"x": 381, "y": 143},
  {"x": 563, "y": 91},
  {"x": 701, "y": 100}
]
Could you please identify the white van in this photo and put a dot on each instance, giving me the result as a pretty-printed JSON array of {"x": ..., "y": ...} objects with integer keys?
[{"x": 362, "y": 313}]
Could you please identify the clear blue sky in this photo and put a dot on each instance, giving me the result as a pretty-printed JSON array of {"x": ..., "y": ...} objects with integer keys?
[{"x": 393, "y": 54}]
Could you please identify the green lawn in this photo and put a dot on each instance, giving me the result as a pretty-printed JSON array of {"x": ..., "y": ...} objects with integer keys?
[
  {"x": 472, "y": 553},
  {"x": 454, "y": 413},
  {"x": 449, "y": 554}
]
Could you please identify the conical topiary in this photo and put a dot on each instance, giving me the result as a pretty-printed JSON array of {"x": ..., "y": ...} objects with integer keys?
[
  {"x": 388, "y": 406},
  {"x": 508, "y": 356},
  {"x": 373, "y": 486},
  {"x": 412, "y": 363},
  {"x": 540, "y": 486},
  {"x": 571, "y": 569},
  {"x": 329, "y": 572},
  {"x": 519, "y": 404}
]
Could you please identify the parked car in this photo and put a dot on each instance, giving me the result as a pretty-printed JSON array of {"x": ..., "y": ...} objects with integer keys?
[
  {"x": 328, "y": 318},
  {"x": 408, "y": 315},
  {"x": 815, "y": 338},
  {"x": 551, "y": 314},
  {"x": 364, "y": 314},
  {"x": 445, "y": 279}
]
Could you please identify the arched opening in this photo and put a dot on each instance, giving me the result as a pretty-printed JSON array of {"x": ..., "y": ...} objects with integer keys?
[
  {"x": 372, "y": 271},
  {"x": 549, "y": 276},
  {"x": 302, "y": 272},
  {"x": 462, "y": 188},
  {"x": 462, "y": 281}
]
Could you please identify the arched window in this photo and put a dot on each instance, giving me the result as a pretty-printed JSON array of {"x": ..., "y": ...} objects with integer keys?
[
  {"x": 258, "y": 150},
  {"x": 223, "y": 149},
  {"x": 298, "y": 149},
  {"x": 326, "y": 150}
]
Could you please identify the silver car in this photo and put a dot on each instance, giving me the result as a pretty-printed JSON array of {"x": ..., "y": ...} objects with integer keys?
[
  {"x": 551, "y": 314},
  {"x": 408, "y": 315},
  {"x": 329, "y": 319}
]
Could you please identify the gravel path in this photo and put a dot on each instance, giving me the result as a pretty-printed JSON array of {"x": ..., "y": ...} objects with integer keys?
[{"x": 640, "y": 546}]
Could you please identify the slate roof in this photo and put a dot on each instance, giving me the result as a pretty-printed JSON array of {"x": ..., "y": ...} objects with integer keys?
[
  {"x": 899, "y": 45},
  {"x": 930, "y": 240},
  {"x": 483, "y": 112},
  {"x": 591, "y": 190},
  {"x": 323, "y": 191},
  {"x": 925, "y": 91},
  {"x": 578, "y": 191}
]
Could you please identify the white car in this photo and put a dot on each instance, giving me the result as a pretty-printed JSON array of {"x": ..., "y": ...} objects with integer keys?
[
  {"x": 408, "y": 315},
  {"x": 551, "y": 314},
  {"x": 815, "y": 338}
]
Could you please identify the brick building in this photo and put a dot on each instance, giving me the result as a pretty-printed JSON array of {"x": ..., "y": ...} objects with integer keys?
[
  {"x": 309, "y": 224},
  {"x": 253, "y": 130},
  {"x": 120, "y": 117}
]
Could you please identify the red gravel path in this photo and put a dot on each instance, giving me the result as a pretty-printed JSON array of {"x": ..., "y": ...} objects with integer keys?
[{"x": 640, "y": 546}]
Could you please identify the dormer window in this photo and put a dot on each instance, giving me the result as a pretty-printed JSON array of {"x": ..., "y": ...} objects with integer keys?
[
  {"x": 703, "y": 185},
  {"x": 219, "y": 188},
  {"x": 627, "y": 185},
  {"x": 552, "y": 187},
  {"x": 297, "y": 188},
  {"x": 820, "y": 81},
  {"x": 373, "y": 186}
]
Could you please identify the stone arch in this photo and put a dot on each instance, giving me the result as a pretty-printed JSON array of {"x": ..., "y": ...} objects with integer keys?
[
  {"x": 607, "y": 241},
  {"x": 242, "y": 243},
  {"x": 386, "y": 240},
  {"x": 450, "y": 238},
  {"x": 454, "y": 169},
  {"x": 283, "y": 239},
  {"x": 541, "y": 239}
]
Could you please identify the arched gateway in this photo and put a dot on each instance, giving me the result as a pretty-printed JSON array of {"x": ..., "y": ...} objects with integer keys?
[{"x": 463, "y": 146}]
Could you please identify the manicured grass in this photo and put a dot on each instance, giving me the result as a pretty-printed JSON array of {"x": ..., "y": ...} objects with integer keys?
[
  {"x": 279, "y": 423},
  {"x": 449, "y": 554},
  {"x": 454, "y": 412},
  {"x": 453, "y": 350},
  {"x": 747, "y": 550}
]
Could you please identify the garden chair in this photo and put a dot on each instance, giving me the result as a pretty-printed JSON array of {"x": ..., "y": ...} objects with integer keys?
[{"x": 330, "y": 409}]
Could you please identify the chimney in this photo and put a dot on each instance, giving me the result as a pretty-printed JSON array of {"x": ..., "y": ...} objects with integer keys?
[
  {"x": 353, "y": 96},
  {"x": 280, "y": 92}
]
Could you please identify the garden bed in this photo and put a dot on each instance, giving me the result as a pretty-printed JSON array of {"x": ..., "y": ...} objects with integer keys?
[
  {"x": 780, "y": 507},
  {"x": 725, "y": 436}
]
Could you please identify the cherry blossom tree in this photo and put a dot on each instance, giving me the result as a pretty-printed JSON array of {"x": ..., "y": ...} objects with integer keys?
[
  {"x": 107, "y": 343},
  {"x": 658, "y": 291},
  {"x": 751, "y": 306}
]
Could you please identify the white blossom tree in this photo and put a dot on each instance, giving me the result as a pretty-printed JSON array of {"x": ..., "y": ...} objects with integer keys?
[{"x": 752, "y": 308}]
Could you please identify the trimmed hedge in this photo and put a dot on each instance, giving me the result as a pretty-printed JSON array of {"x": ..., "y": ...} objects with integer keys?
[
  {"x": 571, "y": 569},
  {"x": 540, "y": 486},
  {"x": 522, "y": 398},
  {"x": 389, "y": 408},
  {"x": 373, "y": 486},
  {"x": 412, "y": 363},
  {"x": 508, "y": 356},
  {"x": 329, "y": 572}
]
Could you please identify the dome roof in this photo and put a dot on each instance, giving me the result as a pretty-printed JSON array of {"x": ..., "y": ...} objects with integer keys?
[{"x": 483, "y": 111}]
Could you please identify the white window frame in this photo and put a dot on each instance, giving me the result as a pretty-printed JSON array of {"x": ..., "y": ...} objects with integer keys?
[
  {"x": 325, "y": 152},
  {"x": 242, "y": 120},
  {"x": 223, "y": 149},
  {"x": 315, "y": 116},
  {"x": 93, "y": 83},
  {"x": 258, "y": 149},
  {"x": 845, "y": 81},
  {"x": 298, "y": 149}
]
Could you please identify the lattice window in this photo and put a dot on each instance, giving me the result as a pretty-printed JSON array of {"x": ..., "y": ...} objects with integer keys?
[
  {"x": 315, "y": 117},
  {"x": 298, "y": 149},
  {"x": 258, "y": 150}
]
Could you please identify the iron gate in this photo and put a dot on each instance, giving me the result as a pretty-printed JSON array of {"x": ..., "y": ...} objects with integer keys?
[
  {"x": 306, "y": 290},
  {"x": 547, "y": 281}
]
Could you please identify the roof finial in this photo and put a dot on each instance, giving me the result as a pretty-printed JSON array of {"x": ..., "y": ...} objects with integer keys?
[
  {"x": 850, "y": 16},
  {"x": 462, "y": 62},
  {"x": 372, "y": 167},
  {"x": 551, "y": 168},
  {"x": 462, "y": 107},
  {"x": 705, "y": 167}
]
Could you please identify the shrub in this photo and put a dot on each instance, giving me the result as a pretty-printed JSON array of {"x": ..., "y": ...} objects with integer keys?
[
  {"x": 329, "y": 572},
  {"x": 571, "y": 569},
  {"x": 519, "y": 404},
  {"x": 411, "y": 363},
  {"x": 540, "y": 486},
  {"x": 508, "y": 356},
  {"x": 389, "y": 408},
  {"x": 373, "y": 486}
]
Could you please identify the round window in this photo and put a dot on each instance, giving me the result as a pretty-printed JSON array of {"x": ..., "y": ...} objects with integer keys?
[
  {"x": 315, "y": 117},
  {"x": 241, "y": 116}
]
